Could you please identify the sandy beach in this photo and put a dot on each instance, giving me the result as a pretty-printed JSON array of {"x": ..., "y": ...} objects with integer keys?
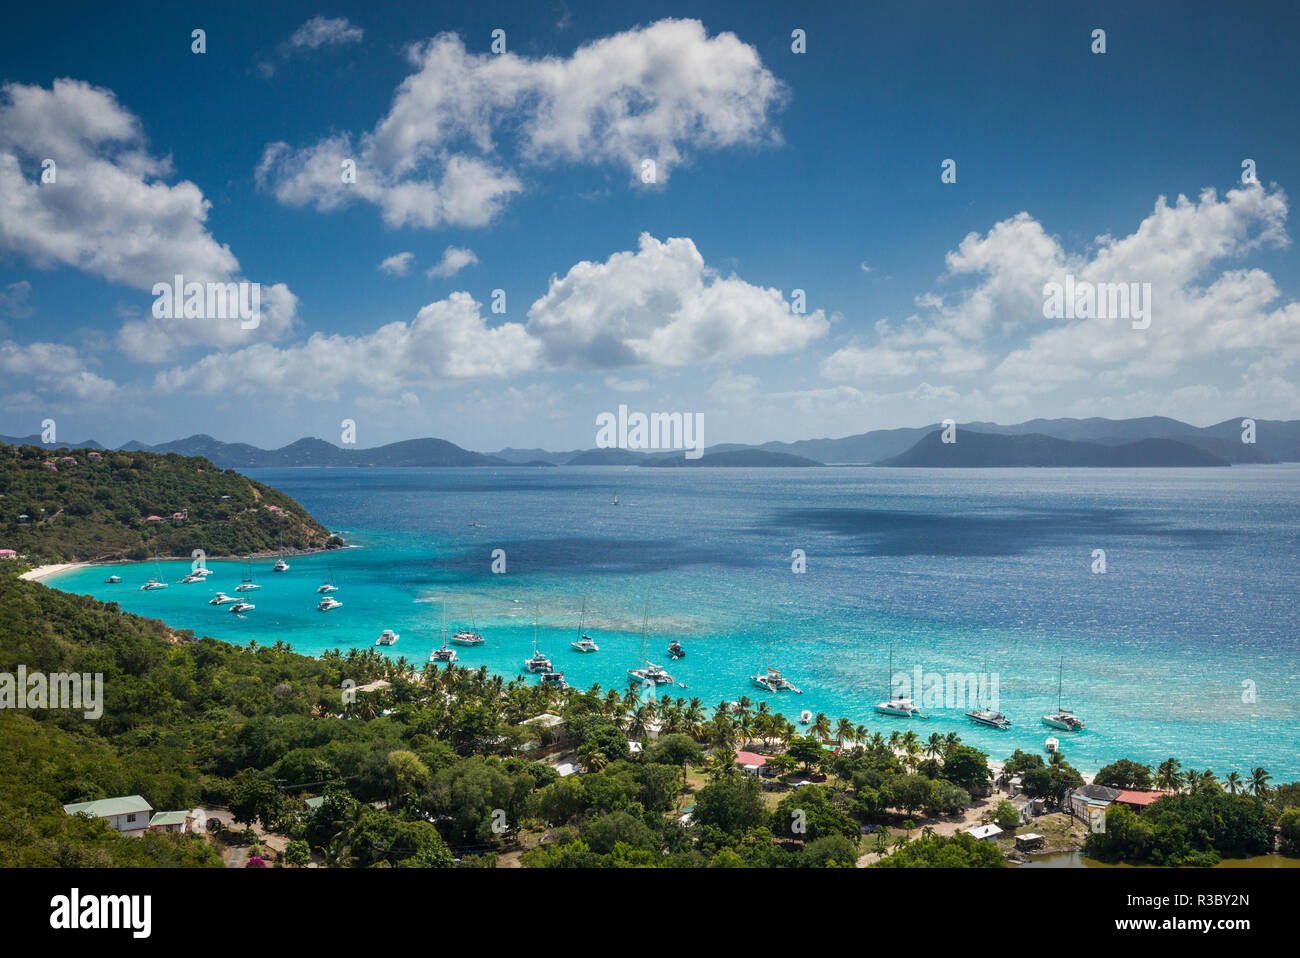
[{"x": 44, "y": 571}]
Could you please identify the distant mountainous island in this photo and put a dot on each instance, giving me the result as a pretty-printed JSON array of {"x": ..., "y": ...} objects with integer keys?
[
  {"x": 983, "y": 450},
  {"x": 1145, "y": 442}
]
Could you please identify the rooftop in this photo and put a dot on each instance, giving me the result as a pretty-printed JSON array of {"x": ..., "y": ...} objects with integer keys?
[
  {"x": 1132, "y": 796},
  {"x": 104, "y": 807},
  {"x": 168, "y": 818}
]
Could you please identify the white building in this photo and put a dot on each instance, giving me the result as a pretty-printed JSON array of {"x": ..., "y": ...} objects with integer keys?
[{"x": 129, "y": 814}]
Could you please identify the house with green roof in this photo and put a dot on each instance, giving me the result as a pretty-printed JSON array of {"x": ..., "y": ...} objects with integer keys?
[
  {"x": 129, "y": 814},
  {"x": 182, "y": 821}
]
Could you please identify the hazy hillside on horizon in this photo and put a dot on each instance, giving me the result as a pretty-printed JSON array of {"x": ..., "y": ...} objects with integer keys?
[{"x": 1275, "y": 441}]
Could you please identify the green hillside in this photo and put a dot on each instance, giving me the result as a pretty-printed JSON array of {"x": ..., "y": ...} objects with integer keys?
[{"x": 69, "y": 505}]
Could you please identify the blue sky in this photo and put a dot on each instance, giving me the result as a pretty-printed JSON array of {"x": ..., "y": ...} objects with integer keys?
[{"x": 776, "y": 171}]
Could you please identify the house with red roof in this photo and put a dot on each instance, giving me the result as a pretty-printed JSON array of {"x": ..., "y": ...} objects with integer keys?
[
  {"x": 153, "y": 519},
  {"x": 49, "y": 464},
  {"x": 1139, "y": 800}
]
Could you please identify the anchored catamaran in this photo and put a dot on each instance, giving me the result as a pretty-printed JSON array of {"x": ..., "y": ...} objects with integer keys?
[
  {"x": 648, "y": 672},
  {"x": 1064, "y": 719},
  {"x": 987, "y": 716},
  {"x": 584, "y": 643},
  {"x": 443, "y": 654},
  {"x": 899, "y": 706}
]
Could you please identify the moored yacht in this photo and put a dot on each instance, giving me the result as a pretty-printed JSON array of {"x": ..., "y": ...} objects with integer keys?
[
  {"x": 466, "y": 637},
  {"x": 153, "y": 584},
  {"x": 221, "y": 599},
  {"x": 387, "y": 637},
  {"x": 241, "y": 607},
  {"x": 1063, "y": 719},
  {"x": 539, "y": 662},
  {"x": 443, "y": 654},
  {"x": 990, "y": 718},
  {"x": 326, "y": 587},
  {"x": 113, "y": 579},
  {"x": 280, "y": 565},
  {"x": 583, "y": 643},
  {"x": 247, "y": 584},
  {"x": 327, "y": 603},
  {"x": 648, "y": 671},
  {"x": 554, "y": 679},
  {"x": 987, "y": 715},
  {"x": 897, "y": 706}
]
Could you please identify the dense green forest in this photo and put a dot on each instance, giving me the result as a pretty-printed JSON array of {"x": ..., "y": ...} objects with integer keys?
[{"x": 67, "y": 505}]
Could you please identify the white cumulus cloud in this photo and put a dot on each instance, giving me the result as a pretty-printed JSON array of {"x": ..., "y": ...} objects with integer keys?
[
  {"x": 662, "y": 306},
  {"x": 445, "y": 153}
]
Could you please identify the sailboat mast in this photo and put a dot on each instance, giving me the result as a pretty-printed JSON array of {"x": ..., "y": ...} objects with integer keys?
[
  {"x": 645, "y": 621},
  {"x": 1060, "y": 672}
]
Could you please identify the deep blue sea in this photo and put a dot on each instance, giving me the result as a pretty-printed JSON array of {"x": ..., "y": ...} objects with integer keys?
[{"x": 1186, "y": 646}]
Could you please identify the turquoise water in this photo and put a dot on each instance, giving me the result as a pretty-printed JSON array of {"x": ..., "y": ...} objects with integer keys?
[{"x": 951, "y": 567}]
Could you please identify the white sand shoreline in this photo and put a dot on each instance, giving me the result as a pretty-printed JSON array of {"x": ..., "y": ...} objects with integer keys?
[{"x": 41, "y": 572}]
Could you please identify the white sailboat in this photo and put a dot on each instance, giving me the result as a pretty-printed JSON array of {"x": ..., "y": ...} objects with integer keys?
[
  {"x": 387, "y": 637},
  {"x": 1064, "y": 719},
  {"x": 584, "y": 643},
  {"x": 987, "y": 716},
  {"x": 898, "y": 706},
  {"x": 247, "y": 584},
  {"x": 155, "y": 582},
  {"x": 539, "y": 662},
  {"x": 648, "y": 672},
  {"x": 769, "y": 678},
  {"x": 443, "y": 654},
  {"x": 468, "y": 636}
]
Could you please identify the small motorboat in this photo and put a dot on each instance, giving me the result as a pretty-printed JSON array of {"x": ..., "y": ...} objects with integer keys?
[
  {"x": 676, "y": 651},
  {"x": 113, "y": 579}
]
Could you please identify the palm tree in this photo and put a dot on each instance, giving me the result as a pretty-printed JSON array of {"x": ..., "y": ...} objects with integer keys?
[
  {"x": 1233, "y": 782},
  {"x": 934, "y": 746},
  {"x": 912, "y": 752},
  {"x": 844, "y": 730},
  {"x": 591, "y": 756},
  {"x": 821, "y": 727},
  {"x": 1259, "y": 779},
  {"x": 721, "y": 764},
  {"x": 1168, "y": 776}
]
